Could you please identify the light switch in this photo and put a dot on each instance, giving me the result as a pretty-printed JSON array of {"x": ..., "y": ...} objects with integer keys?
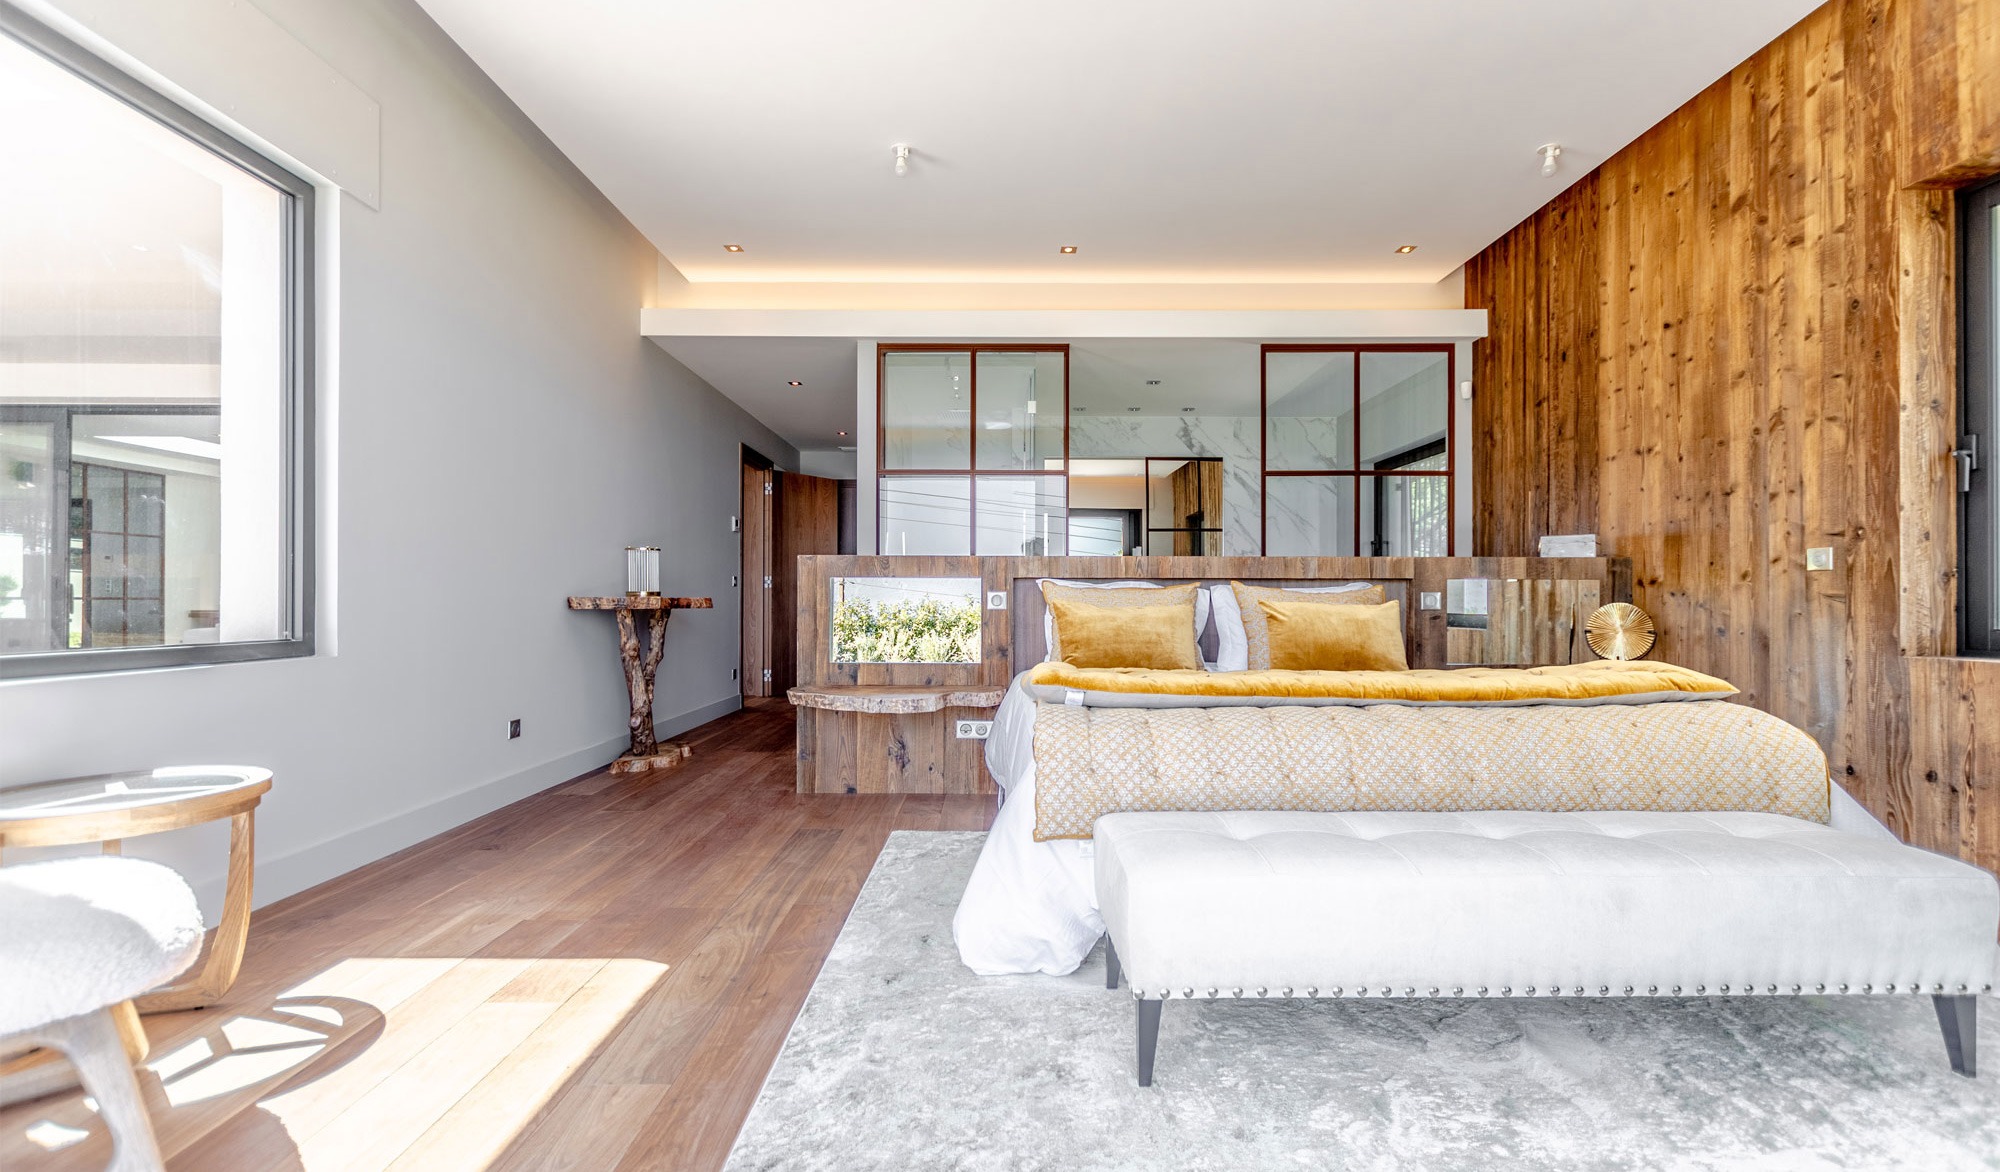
[
  {"x": 1430, "y": 600},
  {"x": 1819, "y": 557}
]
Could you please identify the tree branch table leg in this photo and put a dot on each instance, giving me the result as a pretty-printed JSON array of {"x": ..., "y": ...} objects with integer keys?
[{"x": 641, "y": 670}]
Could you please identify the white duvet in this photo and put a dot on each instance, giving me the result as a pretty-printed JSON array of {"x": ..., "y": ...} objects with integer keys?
[{"x": 1031, "y": 907}]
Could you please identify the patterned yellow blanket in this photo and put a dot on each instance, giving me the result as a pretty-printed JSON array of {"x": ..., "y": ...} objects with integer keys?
[{"x": 1690, "y": 756}]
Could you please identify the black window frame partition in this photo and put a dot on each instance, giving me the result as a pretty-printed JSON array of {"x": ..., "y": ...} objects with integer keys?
[
  {"x": 972, "y": 471},
  {"x": 299, "y": 355},
  {"x": 1357, "y": 474},
  {"x": 1978, "y": 427}
]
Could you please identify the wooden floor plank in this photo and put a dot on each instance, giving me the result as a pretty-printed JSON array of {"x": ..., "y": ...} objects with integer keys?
[{"x": 596, "y": 976}]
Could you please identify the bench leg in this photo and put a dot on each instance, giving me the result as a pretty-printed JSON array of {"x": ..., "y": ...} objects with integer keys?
[
  {"x": 1149, "y": 1037},
  {"x": 1958, "y": 1017},
  {"x": 1111, "y": 971}
]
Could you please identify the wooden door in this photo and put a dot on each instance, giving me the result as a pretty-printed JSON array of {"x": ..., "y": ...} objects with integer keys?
[
  {"x": 805, "y": 519},
  {"x": 758, "y": 509}
]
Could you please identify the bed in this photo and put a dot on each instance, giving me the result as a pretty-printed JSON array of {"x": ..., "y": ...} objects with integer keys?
[{"x": 1031, "y": 903}]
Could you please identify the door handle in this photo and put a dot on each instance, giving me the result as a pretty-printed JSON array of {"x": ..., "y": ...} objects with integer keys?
[{"x": 1967, "y": 458}]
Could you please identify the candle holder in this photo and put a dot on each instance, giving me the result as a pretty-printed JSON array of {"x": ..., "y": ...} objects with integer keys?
[{"x": 642, "y": 571}]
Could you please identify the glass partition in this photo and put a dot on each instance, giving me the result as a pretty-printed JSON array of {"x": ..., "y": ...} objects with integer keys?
[
  {"x": 973, "y": 450},
  {"x": 905, "y": 620},
  {"x": 1364, "y": 429}
]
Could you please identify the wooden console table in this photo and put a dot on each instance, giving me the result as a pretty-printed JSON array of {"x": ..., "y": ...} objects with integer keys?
[{"x": 640, "y": 669}]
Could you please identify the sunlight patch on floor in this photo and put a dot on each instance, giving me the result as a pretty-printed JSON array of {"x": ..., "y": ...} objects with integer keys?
[{"x": 468, "y": 1053}]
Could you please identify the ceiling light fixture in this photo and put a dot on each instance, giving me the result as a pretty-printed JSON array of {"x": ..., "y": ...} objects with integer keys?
[
  {"x": 1550, "y": 152},
  {"x": 792, "y": 382},
  {"x": 902, "y": 150},
  {"x": 1405, "y": 249},
  {"x": 840, "y": 433},
  {"x": 1152, "y": 382},
  {"x": 1068, "y": 250},
  {"x": 732, "y": 248}
]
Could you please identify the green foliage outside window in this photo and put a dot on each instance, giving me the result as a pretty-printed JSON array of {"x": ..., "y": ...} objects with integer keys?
[{"x": 933, "y": 631}]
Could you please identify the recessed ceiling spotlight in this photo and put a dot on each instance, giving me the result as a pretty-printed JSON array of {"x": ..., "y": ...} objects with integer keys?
[
  {"x": 792, "y": 382},
  {"x": 1152, "y": 382},
  {"x": 1406, "y": 249},
  {"x": 1079, "y": 410},
  {"x": 1069, "y": 250},
  {"x": 732, "y": 248},
  {"x": 1550, "y": 152},
  {"x": 840, "y": 433},
  {"x": 1134, "y": 410},
  {"x": 1187, "y": 411}
]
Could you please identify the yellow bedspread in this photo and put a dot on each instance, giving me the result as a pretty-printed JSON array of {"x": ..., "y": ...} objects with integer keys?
[{"x": 1603, "y": 680}]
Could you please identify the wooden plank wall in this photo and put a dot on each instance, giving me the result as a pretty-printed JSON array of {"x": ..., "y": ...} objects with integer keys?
[{"x": 1695, "y": 352}]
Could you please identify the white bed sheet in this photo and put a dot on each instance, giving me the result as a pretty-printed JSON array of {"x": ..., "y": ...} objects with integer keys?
[{"x": 1031, "y": 907}]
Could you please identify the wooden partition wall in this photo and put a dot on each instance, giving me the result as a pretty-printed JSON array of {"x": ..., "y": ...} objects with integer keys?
[
  {"x": 905, "y": 741},
  {"x": 1735, "y": 341}
]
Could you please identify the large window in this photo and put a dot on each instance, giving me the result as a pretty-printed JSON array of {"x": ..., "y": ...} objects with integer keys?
[
  {"x": 973, "y": 450},
  {"x": 1357, "y": 451},
  {"x": 1979, "y": 519},
  {"x": 155, "y": 343}
]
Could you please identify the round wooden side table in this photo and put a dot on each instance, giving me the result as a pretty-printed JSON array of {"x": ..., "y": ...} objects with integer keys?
[{"x": 112, "y": 807}]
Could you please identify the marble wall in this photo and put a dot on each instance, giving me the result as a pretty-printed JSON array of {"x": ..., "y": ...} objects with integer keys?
[{"x": 1234, "y": 438}]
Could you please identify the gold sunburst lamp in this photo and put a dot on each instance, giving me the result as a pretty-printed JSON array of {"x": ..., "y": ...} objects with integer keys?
[{"x": 1619, "y": 630}]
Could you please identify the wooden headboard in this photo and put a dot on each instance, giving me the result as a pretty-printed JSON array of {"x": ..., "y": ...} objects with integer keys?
[{"x": 1013, "y": 640}]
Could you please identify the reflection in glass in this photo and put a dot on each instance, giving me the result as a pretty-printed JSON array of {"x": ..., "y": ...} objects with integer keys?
[
  {"x": 1021, "y": 409},
  {"x": 1527, "y": 622},
  {"x": 1405, "y": 404},
  {"x": 1184, "y": 506},
  {"x": 905, "y": 620},
  {"x": 1309, "y": 410},
  {"x": 926, "y": 409},
  {"x": 1101, "y": 532},
  {"x": 925, "y": 515},
  {"x": 1405, "y": 516},
  {"x": 1309, "y": 516},
  {"x": 1021, "y": 516}
]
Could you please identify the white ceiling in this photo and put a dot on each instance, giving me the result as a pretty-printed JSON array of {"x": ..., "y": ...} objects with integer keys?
[{"x": 1171, "y": 140}]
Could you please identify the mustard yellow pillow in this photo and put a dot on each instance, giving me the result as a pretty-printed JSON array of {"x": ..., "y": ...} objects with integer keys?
[
  {"x": 1256, "y": 635},
  {"x": 1127, "y": 636},
  {"x": 1119, "y": 596},
  {"x": 1319, "y": 636}
]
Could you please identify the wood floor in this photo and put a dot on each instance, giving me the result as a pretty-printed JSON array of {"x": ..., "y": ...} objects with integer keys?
[{"x": 596, "y": 977}]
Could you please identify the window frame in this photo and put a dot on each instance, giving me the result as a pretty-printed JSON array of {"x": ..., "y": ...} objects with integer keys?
[
  {"x": 972, "y": 471},
  {"x": 299, "y": 349},
  {"x": 1357, "y": 474},
  {"x": 1979, "y": 398}
]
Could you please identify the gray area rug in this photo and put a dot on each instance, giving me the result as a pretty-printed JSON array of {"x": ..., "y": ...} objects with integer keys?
[{"x": 901, "y": 1058}]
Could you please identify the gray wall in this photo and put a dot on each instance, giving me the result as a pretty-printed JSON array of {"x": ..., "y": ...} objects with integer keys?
[{"x": 494, "y": 432}]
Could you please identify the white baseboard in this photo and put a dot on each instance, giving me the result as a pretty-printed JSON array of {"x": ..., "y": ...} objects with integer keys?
[{"x": 310, "y": 866}]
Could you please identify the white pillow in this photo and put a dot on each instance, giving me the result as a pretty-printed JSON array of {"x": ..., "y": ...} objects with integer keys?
[
  {"x": 1200, "y": 609},
  {"x": 1232, "y": 644}
]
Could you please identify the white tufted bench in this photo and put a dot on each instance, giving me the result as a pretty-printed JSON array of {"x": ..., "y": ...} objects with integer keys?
[{"x": 1521, "y": 904}]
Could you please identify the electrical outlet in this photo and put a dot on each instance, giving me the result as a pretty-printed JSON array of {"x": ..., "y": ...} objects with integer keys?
[
  {"x": 996, "y": 600},
  {"x": 1431, "y": 600},
  {"x": 974, "y": 730},
  {"x": 1819, "y": 557},
  {"x": 514, "y": 729}
]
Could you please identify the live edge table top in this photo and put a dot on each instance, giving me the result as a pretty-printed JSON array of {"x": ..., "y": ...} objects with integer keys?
[{"x": 625, "y": 602}]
